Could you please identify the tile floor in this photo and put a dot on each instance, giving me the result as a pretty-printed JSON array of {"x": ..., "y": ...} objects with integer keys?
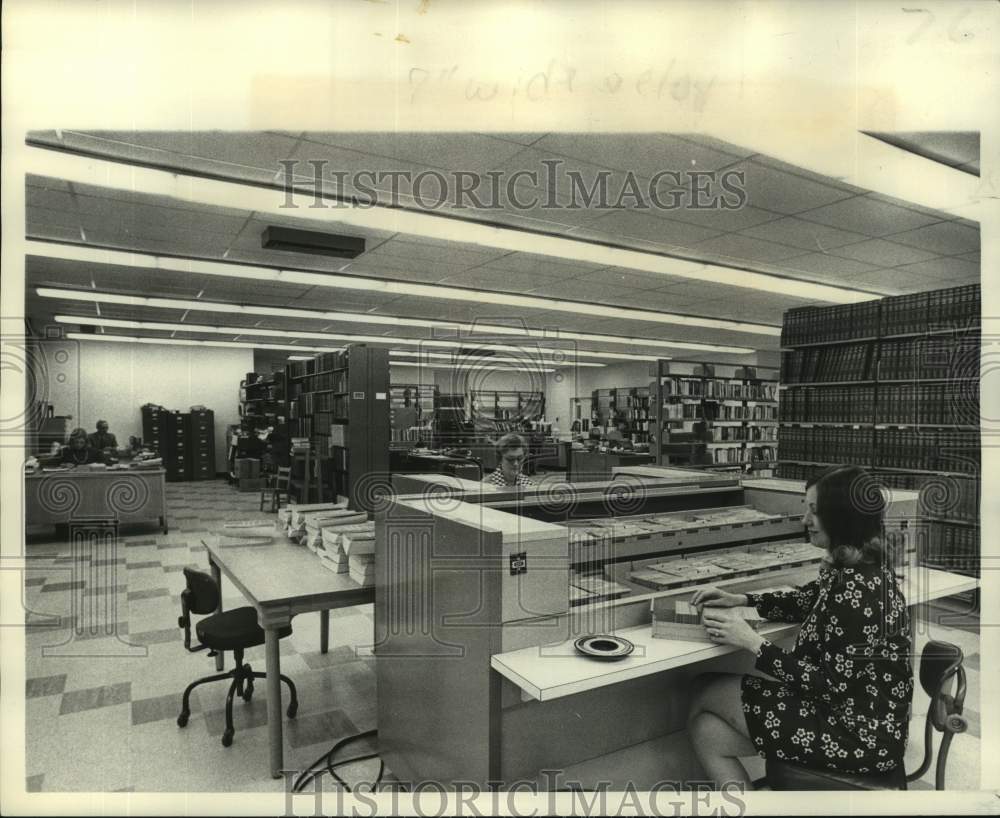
[{"x": 101, "y": 707}]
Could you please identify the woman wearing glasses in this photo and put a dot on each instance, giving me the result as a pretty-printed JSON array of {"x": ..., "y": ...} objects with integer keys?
[{"x": 512, "y": 451}]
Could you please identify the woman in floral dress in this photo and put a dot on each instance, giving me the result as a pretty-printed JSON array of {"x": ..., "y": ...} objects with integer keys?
[{"x": 840, "y": 699}]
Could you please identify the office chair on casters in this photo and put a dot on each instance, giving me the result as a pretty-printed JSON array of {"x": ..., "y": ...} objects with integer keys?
[
  {"x": 940, "y": 662},
  {"x": 235, "y": 630}
]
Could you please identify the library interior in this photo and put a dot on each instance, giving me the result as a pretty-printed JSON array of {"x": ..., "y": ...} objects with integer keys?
[{"x": 473, "y": 493}]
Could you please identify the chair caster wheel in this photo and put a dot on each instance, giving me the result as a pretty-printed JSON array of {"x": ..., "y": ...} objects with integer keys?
[
  {"x": 182, "y": 719},
  {"x": 227, "y": 738},
  {"x": 957, "y": 724},
  {"x": 293, "y": 708}
]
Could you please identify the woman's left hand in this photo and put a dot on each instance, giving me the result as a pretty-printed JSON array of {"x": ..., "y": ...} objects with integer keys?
[{"x": 726, "y": 627}]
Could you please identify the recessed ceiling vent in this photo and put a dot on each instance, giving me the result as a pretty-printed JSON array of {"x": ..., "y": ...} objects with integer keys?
[{"x": 310, "y": 241}]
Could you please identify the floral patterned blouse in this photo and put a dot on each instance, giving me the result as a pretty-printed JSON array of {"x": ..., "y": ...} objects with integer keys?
[{"x": 841, "y": 698}]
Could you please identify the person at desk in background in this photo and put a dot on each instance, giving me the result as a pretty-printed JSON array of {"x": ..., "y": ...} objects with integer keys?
[
  {"x": 78, "y": 451},
  {"x": 619, "y": 437},
  {"x": 102, "y": 439},
  {"x": 512, "y": 451},
  {"x": 840, "y": 699}
]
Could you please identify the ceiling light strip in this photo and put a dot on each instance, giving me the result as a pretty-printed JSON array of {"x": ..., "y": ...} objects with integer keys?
[
  {"x": 130, "y": 258},
  {"x": 120, "y": 174},
  {"x": 129, "y": 339},
  {"x": 368, "y": 318},
  {"x": 157, "y": 326}
]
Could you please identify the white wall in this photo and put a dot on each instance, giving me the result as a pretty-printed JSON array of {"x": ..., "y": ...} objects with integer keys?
[{"x": 112, "y": 381}]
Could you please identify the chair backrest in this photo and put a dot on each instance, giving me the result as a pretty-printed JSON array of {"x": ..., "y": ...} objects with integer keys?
[
  {"x": 202, "y": 593},
  {"x": 282, "y": 477},
  {"x": 939, "y": 663}
]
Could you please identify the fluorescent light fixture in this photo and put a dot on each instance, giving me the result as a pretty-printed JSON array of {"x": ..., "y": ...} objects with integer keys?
[
  {"x": 531, "y": 356},
  {"x": 120, "y": 174},
  {"x": 193, "y": 305},
  {"x": 191, "y": 342},
  {"x": 470, "y": 367},
  {"x": 128, "y": 258},
  {"x": 129, "y": 339},
  {"x": 156, "y": 326}
]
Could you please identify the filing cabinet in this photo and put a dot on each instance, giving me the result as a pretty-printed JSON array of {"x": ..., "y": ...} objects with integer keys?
[
  {"x": 176, "y": 446},
  {"x": 201, "y": 444}
]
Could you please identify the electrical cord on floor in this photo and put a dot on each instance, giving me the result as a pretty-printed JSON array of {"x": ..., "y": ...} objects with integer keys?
[{"x": 310, "y": 772}]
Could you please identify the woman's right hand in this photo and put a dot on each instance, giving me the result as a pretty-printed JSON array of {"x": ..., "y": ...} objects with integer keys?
[{"x": 717, "y": 598}]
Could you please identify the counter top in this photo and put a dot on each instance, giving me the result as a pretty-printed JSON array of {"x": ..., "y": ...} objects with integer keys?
[{"x": 553, "y": 671}]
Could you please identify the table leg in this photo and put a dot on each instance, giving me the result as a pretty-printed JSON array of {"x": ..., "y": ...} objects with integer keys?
[
  {"x": 324, "y": 631},
  {"x": 217, "y": 576},
  {"x": 274, "y": 714},
  {"x": 495, "y": 764}
]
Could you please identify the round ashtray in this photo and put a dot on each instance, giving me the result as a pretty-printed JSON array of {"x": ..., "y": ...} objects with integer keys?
[{"x": 604, "y": 647}]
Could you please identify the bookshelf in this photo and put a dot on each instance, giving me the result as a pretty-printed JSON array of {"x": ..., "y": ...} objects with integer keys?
[
  {"x": 714, "y": 415},
  {"x": 340, "y": 403},
  {"x": 410, "y": 406},
  {"x": 499, "y": 412},
  {"x": 263, "y": 401},
  {"x": 580, "y": 416},
  {"x": 451, "y": 426},
  {"x": 892, "y": 385},
  {"x": 514, "y": 406}
]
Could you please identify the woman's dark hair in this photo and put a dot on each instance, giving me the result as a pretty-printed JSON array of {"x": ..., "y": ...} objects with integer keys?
[
  {"x": 850, "y": 506},
  {"x": 509, "y": 442}
]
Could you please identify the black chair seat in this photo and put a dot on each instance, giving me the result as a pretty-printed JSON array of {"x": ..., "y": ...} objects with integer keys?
[
  {"x": 783, "y": 775},
  {"x": 234, "y": 630}
]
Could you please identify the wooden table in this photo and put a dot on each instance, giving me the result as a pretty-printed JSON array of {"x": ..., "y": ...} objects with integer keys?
[
  {"x": 281, "y": 580},
  {"x": 126, "y": 495}
]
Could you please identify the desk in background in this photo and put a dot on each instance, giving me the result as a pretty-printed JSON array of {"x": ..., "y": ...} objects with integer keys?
[
  {"x": 126, "y": 495},
  {"x": 409, "y": 462},
  {"x": 587, "y": 465}
]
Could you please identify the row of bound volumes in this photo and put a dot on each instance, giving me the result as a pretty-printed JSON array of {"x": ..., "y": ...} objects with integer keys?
[
  {"x": 934, "y": 356},
  {"x": 841, "y": 362},
  {"x": 827, "y": 445},
  {"x": 750, "y": 413},
  {"x": 927, "y": 450},
  {"x": 736, "y": 456},
  {"x": 795, "y": 471},
  {"x": 720, "y": 389},
  {"x": 904, "y": 314},
  {"x": 811, "y": 325},
  {"x": 334, "y": 381},
  {"x": 828, "y": 404},
  {"x": 948, "y": 404},
  {"x": 955, "y": 307},
  {"x": 919, "y": 312},
  {"x": 321, "y": 363},
  {"x": 914, "y": 313},
  {"x": 724, "y": 434},
  {"x": 954, "y": 498},
  {"x": 954, "y": 548}
]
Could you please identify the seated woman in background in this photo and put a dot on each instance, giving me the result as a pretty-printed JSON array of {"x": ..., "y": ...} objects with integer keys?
[
  {"x": 512, "y": 451},
  {"x": 840, "y": 699},
  {"x": 619, "y": 437},
  {"x": 78, "y": 452}
]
